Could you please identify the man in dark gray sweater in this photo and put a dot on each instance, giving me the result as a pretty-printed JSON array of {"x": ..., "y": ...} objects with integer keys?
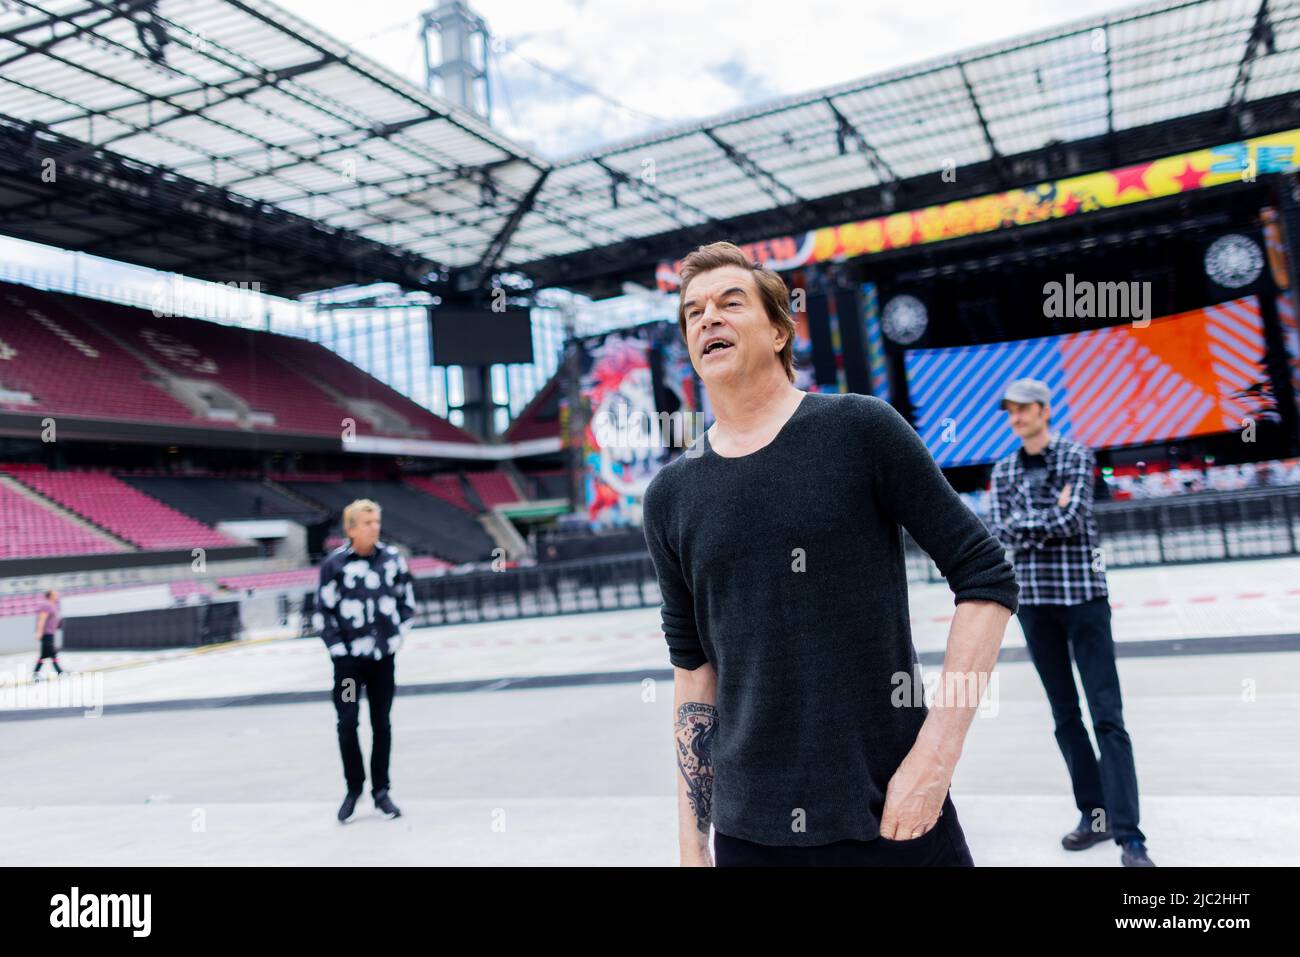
[{"x": 802, "y": 733}]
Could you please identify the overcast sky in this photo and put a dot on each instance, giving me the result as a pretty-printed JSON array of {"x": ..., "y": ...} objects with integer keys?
[{"x": 671, "y": 61}]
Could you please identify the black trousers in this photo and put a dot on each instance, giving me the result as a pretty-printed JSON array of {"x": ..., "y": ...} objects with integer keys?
[
  {"x": 944, "y": 845},
  {"x": 48, "y": 651},
  {"x": 1052, "y": 633},
  {"x": 377, "y": 677}
]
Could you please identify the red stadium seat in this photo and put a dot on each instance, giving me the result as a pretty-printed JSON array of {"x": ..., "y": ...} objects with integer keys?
[
  {"x": 101, "y": 360},
  {"x": 445, "y": 487},
  {"x": 494, "y": 488},
  {"x": 68, "y": 367},
  {"x": 117, "y": 507},
  {"x": 29, "y": 529}
]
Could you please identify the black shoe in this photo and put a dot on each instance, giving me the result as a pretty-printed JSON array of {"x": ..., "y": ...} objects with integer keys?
[
  {"x": 348, "y": 806},
  {"x": 1134, "y": 854},
  {"x": 385, "y": 804},
  {"x": 1083, "y": 836}
]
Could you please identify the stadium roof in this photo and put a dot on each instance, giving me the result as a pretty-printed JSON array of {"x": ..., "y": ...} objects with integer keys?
[
  {"x": 239, "y": 96},
  {"x": 1096, "y": 78}
]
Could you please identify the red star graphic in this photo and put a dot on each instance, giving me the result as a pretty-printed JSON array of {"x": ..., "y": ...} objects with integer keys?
[
  {"x": 1070, "y": 206},
  {"x": 1131, "y": 177},
  {"x": 1190, "y": 178}
]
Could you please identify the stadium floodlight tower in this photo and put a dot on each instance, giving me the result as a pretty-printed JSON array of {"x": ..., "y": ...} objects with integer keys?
[{"x": 461, "y": 74}]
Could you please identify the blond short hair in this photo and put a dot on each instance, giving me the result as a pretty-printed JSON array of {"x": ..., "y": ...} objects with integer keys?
[{"x": 360, "y": 505}]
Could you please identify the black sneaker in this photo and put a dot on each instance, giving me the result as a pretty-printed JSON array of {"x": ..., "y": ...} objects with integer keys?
[
  {"x": 385, "y": 804},
  {"x": 1083, "y": 836},
  {"x": 348, "y": 806},
  {"x": 1134, "y": 854}
]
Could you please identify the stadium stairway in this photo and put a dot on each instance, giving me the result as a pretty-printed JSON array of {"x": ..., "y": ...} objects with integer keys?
[
  {"x": 380, "y": 417},
  {"x": 111, "y": 542},
  {"x": 161, "y": 378},
  {"x": 115, "y": 508},
  {"x": 505, "y": 534},
  {"x": 517, "y": 479},
  {"x": 470, "y": 493}
]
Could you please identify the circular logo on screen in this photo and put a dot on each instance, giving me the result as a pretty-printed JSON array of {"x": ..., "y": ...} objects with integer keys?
[
  {"x": 904, "y": 319},
  {"x": 1234, "y": 261}
]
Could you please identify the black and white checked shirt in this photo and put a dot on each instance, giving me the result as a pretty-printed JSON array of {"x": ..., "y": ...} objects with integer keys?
[{"x": 1056, "y": 551}]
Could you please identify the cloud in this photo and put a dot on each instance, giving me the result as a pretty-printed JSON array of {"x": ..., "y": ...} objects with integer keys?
[{"x": 678, "y": 61}]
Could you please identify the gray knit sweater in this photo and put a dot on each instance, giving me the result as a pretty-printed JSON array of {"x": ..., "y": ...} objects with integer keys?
[{"x": 784, "y": 569}]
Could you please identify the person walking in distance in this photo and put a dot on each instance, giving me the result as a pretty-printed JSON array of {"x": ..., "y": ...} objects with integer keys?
[
  {"x": 802, "y": 733},
  {"x": 365, "y": 600},
  {"x": 48, "y": 619},
  {"x": 1041, "y": 509}
]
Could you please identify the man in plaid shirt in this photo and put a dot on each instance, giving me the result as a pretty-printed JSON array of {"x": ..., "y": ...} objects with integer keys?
[{"x": 1041, "y": 510}]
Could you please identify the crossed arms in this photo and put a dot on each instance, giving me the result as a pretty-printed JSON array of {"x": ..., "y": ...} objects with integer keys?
[{"x": 1018, "y": 523}]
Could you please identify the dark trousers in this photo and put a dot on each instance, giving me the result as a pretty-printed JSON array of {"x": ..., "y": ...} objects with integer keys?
[
  {"x": 1052, "y": 632},
  {"x": 48, "y": 651},
  {"x": 377, "y": 677},
  {"x": 944, "y": 845}
]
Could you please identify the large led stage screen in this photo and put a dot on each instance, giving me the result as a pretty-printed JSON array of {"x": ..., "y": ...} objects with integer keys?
[{"x": 1193, "y": 373}]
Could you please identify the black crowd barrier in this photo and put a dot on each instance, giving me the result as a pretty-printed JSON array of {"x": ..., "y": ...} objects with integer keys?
[
  {"x": 567, "y": 546},
  {"x": 185, "y": 627},
  {"x": 1182, "y": 529},
  {"x": 1199, "y": 527},
  {"x": 553, "y": 588}
]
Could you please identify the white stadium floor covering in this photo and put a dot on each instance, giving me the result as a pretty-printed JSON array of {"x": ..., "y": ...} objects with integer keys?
[{"x": 562, "y": 752}]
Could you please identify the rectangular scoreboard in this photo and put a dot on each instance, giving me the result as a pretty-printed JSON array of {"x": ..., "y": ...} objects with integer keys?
[{"x": 479, "y": 337}]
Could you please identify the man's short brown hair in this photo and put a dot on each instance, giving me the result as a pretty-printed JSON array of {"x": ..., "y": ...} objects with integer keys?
[{"x": 772, "y": 291}]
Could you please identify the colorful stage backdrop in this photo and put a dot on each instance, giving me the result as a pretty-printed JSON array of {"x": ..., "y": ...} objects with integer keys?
[
  {"x": 1193, "y": 373},
  {"x": 1168, "y": 176},
  {"x": 622, "y": 442}
]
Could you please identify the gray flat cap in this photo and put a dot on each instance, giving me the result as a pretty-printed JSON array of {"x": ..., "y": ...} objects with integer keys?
[{"x": 1027, "y": 390}]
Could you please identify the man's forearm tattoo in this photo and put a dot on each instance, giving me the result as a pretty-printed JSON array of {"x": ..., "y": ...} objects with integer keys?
[{"x": 696, "y": 723}]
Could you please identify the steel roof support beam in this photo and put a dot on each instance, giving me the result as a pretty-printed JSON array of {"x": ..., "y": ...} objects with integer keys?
[
  {"x": 476, "y": 274},
  {"x": 669, "y": 204},
  {"x": 124, "y": 9},
  {"x": 845, "y": 130},
  {"x": 1261, "y": 33},
  {"x": 994, "y": 156},
  {"x": 760, "y": 177}
]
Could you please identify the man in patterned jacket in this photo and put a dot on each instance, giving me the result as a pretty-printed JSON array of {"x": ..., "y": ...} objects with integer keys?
[
  {"x": 364, "y": 601},
  {"x": 1041, "y": 510}
]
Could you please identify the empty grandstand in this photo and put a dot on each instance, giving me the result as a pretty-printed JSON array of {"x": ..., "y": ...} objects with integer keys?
[{"x": 97, "y": 360}]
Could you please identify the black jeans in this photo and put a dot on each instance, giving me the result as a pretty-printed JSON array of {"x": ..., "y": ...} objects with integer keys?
[
  {"x": 944, "y": 845},
  {"x": 1052, "y": 632},
  {"x": 377, "y": 677}
]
